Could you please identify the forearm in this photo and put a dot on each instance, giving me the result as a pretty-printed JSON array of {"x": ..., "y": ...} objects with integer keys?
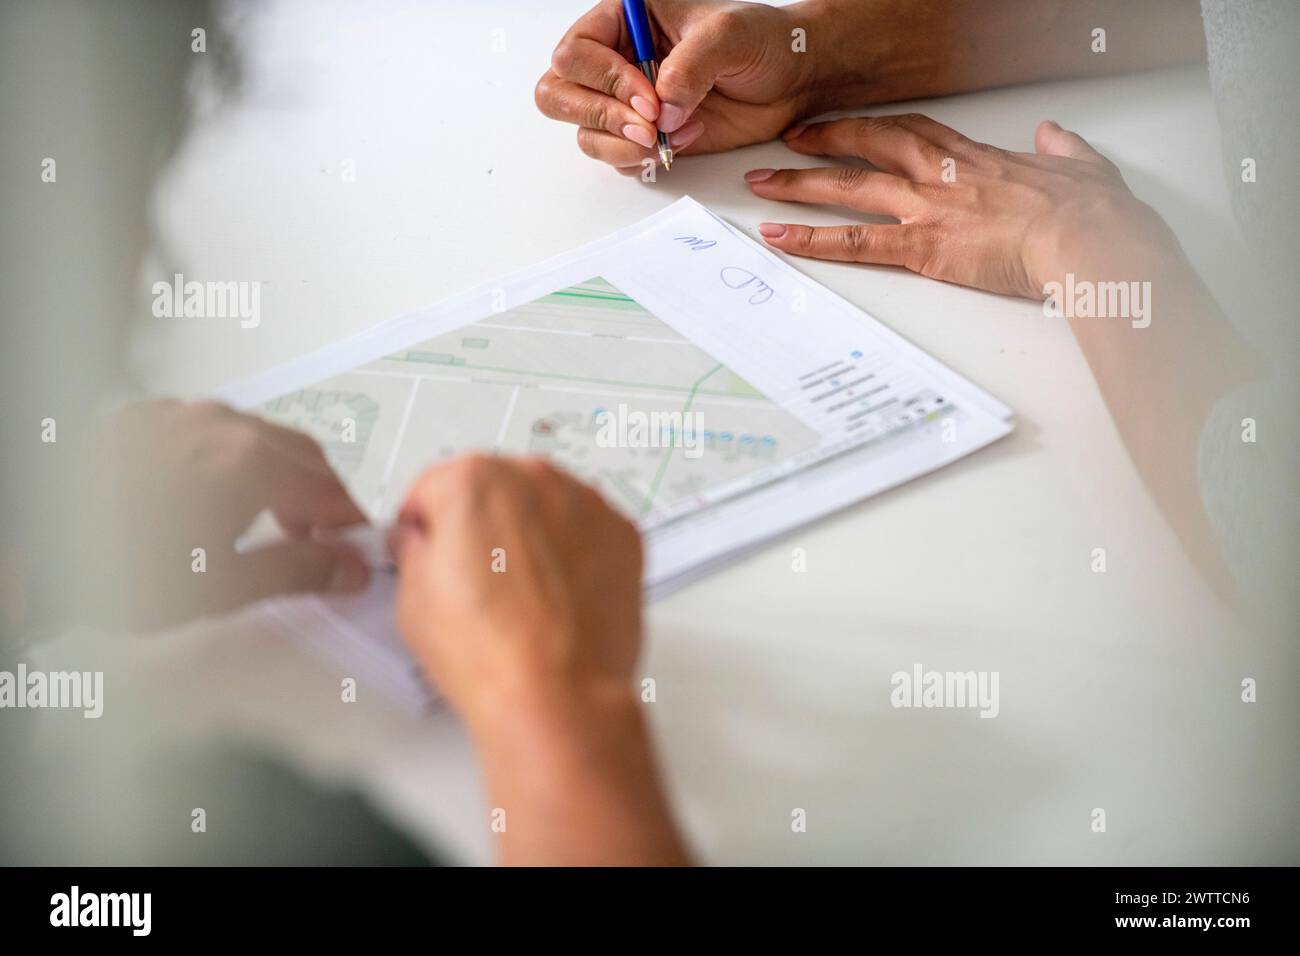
[
  {"x": 881, "y": 51},
  {"x": 1160, "y": 382},
  {"x": 576, "y": 781}
]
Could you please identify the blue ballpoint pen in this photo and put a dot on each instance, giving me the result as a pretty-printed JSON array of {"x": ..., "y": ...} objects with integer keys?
[{"x": 643, "y": 42}]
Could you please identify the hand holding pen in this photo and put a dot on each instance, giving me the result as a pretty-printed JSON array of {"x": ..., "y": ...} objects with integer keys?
[
  {"x": 728, "y": 77},
  {"x": 638, "y": 26}
]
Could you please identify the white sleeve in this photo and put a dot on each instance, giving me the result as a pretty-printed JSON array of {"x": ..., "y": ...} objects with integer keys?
[{"x": 1250, "y": 484}]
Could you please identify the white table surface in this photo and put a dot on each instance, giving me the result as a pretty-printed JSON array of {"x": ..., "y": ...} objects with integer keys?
[{"x": 1118, "y": 690}]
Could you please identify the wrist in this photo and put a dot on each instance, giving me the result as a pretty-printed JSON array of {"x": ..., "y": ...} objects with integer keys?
[
  {"x": 556, "y": 749},
  {"x": 865, "y": 52},
  {"x": 546, "y": 713},
  {"x": 1105, "y": 239},
  {"x": 573, "y": 772},
  {"x": 830, "y": 79}
]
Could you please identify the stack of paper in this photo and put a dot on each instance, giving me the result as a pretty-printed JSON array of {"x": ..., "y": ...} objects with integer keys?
[{"x": 710, "y": 391}]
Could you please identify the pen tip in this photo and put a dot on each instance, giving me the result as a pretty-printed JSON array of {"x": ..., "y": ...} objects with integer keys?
[{"x": 666, "y": 155}]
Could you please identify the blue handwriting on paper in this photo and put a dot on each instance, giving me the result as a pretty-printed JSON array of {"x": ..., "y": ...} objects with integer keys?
[{"x": 733, "y": 277}]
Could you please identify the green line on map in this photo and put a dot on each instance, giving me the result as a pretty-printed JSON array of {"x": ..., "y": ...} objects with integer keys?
[
  {"x": 597, "y": 381},
  {"x": 570, "y": 293},
  {"x": 668, "y": 453}
]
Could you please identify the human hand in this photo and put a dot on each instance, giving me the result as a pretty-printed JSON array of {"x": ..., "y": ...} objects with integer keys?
[
  {"x": 517, "y": 584},
  {"x": 520, "y": 591},
  {"x": 730, "y": 78},
  {"x": 186, "y": 476},
  {"x": 1023, "y": 224},
  {"x": 968, "y": 213}
]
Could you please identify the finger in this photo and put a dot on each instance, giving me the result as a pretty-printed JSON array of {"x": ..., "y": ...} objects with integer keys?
[
  {"x": 880, "y": 245},
  {"x": 288, "y": 440},
  {"x": 300, "y": 494},
  {"x": 304, "y": 451},
  {"x": 623, "y": 154},
  {"x": 462, "y": 481},
  {"x": 1051, "y": 140},
  {"x": 616, "y": 151},
  {"x": 717, "y": 46},
  {"x": 570, "y": 103},
  {"x": 931, "y": 130},
  {"x": 862, "y": 189},
  {"x": 472, "y": 503},
  {"x": 297, "y": 567},
  {"x": 295, "y": 444},
  {"x": 588, "y": 55},
  {"x": 881, "y": 140}
]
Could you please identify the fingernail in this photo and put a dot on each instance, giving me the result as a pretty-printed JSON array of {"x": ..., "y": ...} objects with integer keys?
[
  {"x": 793, "y": 131},
  {"x": 687, "y": 134},
  {"x": 639, "y": 135},
  {"x": 758, "y": 175},
  {"x": 671, "y": 117},
  {"x": 349, "y": 575},
  {"x": 645, "y": 107},
  {"x": 771, "y": 230}
]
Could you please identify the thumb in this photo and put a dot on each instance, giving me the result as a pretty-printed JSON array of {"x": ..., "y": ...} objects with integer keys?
[
  {"x": 299, "y": 566},
  {"x": 687, "y": 74},
  {"x": 1051, "y": 140}
]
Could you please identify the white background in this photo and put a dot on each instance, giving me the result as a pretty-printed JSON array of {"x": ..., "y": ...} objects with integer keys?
[{"x": 1118, "y": 690}]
